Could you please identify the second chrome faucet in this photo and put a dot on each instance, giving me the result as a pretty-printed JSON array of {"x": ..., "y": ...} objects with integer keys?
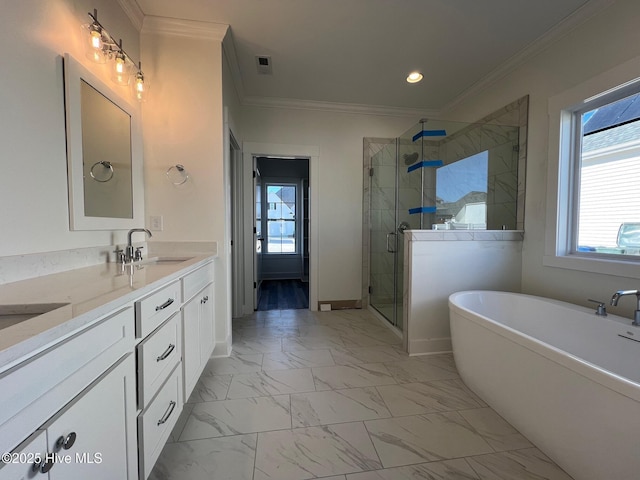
[{"x": 621, "y": 293}]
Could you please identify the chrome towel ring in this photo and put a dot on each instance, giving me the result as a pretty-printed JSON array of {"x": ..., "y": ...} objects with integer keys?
[
  {"x": 107, "y": 166},
  {"x": 177, "y": 174}
]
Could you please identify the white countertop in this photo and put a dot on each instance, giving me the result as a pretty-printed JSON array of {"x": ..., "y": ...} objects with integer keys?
[
  {"x": 88, "y": 294},
  {"x": 465, "y": 235}
]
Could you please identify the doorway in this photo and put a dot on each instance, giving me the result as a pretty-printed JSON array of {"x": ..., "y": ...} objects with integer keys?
[
  {"x": 282, "y": 229},
  {"x": 251, "y": 151}
]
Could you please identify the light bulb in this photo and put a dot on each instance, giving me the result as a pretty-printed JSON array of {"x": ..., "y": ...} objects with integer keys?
[
  {"x": 119, "y": 65},
  {"x": 94, "y": 44},
  {"x": 121, "y": 73},
  {"x": 414, "y": 77},
  {"x": 96, "y": 39}
]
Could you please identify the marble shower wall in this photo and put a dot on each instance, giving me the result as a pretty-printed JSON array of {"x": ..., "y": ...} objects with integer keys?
[{"x": 504, "y": 135}]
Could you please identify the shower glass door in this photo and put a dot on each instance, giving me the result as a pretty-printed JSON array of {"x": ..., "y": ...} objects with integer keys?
[
  {"x": 382, "y": 223},
  {"x": 394, "y": 191}
]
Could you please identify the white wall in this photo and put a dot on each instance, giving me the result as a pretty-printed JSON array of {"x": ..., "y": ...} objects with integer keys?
[
  {"x": 605, "y": 41},
  {"x": 339, "y": 137},
  {"x": 33, "y": 183},
  {"x": 436, "y": 269},
  {"x": 183, "y": 124}
]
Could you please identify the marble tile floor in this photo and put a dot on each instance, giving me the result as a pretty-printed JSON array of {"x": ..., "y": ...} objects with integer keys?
[{"x": 332, "y": 395}]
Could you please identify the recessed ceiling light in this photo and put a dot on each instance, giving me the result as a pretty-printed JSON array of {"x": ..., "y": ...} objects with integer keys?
[{"x": 414, "y": 77}]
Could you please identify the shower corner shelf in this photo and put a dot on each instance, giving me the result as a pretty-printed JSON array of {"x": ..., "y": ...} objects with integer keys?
[
  {"x": 429, "y": 133},
  {"x": 413, "y": 211},
  {"x": 425, "y": 164}
]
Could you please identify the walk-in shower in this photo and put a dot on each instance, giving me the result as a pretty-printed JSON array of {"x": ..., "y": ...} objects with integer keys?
[{"x": 439, "y": 175}]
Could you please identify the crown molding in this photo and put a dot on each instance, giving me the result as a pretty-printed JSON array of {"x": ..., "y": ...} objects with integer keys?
[
  {"x": 566, "y": 25},
  {"x": 184, "y": 28},
  {"x": 133, "y": 11},
  {"x": 292, "y": 103}
]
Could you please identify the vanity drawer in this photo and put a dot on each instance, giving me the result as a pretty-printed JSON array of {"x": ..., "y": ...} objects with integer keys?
[
  {"x": 156, "y": 422},
  {"x": 196, "y": 281},
  {"x": 157, "y": 356},
  {"x": 155, "y": 308}
]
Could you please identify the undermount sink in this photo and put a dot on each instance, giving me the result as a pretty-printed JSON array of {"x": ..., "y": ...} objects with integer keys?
[
  {"x": 13, "y": 314},
  {"x": 160, "y": 261}
]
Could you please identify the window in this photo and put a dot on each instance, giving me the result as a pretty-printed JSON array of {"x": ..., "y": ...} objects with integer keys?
[
  {"x": 461, "y": 191},
  {"x": 281, "y": 219},
  {"x": 606, "y": 210},
  {"x": 608, "y": 180},
  {"x": 594, "y": 176}
]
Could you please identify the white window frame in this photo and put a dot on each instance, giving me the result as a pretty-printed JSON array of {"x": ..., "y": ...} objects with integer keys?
[
  {"x": 270, "y": 182},
  {"x": 564, "y": 152}
]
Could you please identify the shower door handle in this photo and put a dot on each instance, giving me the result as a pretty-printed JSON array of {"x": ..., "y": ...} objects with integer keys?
[{"x": 389, "y": 249}]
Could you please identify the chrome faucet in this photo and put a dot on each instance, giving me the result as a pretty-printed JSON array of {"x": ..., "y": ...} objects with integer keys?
[
  {"x": 130, "y": 255},
  {"x": 621, "y": 293}
]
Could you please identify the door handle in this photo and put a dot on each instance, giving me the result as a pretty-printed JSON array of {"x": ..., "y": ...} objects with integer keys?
[{"x": 389, "y": 249}]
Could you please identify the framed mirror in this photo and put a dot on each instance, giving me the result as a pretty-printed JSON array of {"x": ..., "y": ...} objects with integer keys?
[{"x": 104, "y": 154}]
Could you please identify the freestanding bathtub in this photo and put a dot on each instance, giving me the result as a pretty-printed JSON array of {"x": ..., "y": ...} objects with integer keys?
[{"x": 568, "y": 379}]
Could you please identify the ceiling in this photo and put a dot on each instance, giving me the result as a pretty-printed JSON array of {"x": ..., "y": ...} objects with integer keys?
[{"x": 360, "y": 51}]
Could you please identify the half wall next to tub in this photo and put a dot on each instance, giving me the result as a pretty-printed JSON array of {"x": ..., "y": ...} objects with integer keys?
[{"x": 439, "y": 263}]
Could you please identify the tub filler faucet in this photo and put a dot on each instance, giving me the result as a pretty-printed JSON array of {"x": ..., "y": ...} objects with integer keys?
[{"x": 621, "y": 293}]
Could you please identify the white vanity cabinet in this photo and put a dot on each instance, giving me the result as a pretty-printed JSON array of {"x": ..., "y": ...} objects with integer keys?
[
  {"x": 85, "y": 439},
  {"x": 83, "y": 391},
  {"x": 100, "y": 402},
  {"x": 94, "y": 436},
  {"x": 198, "y": 325}
]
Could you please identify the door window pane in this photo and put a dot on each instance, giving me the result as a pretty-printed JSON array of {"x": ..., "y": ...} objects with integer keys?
[{"x": 281, "y": 219}]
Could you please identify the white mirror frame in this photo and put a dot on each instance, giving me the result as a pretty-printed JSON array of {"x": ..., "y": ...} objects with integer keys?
[{"x": 74, "y": 73}]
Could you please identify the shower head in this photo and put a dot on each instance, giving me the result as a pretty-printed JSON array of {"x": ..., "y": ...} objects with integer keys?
[{"x": 410, "y": 158}]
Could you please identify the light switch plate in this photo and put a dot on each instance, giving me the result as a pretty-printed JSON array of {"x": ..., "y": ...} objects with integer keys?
[{"x": 155, "y": 223}]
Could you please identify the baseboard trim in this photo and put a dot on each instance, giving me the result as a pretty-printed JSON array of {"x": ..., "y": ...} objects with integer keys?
[
  {"x": 341, "y": 304},
  {"x": 222, "y": 349},
  {"x": 429, "y": 346}
]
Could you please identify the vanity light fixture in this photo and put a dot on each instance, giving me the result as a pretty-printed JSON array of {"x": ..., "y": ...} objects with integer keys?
[
  {"x": 101, "y": 47},
  {"x": 414, "y": 77},
  {"x": 140, "y": 87}
]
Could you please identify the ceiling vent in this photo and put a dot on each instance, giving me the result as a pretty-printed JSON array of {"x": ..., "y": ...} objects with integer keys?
[{"x": 263, "y": 62}]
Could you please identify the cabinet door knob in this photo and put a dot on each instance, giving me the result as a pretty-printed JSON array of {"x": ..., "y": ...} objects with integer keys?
[
  {"x": 168, "y": 413},
  {"x": 166, "y": 353},
  {"x": 205, "y": 299},
  {"x": 164, "y": 305},
  {"x": 67, "y": 442},
  {"x": 43, "y": 466}
]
